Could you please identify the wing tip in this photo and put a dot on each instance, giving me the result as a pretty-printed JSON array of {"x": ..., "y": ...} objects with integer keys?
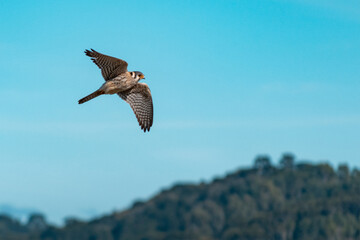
[
  {"x": 87, "y": 52},
  {"x": 90, "y": 52},
  {"x": 144, "y": 126}
]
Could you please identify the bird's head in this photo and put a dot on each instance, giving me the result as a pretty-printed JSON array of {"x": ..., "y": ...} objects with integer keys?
[{"x": 138, "y": 75}]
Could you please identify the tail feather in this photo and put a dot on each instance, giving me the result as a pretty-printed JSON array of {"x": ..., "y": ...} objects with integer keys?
[{"x": 91, "y": 96}]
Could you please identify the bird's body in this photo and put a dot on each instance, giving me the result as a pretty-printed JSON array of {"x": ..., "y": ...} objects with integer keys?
[
  {"x": 120, "y": 83},
  {"x": 126, "y": 84}
]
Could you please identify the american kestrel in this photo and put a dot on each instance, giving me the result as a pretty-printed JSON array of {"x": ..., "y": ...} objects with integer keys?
[{"x": 125, "y": 84}]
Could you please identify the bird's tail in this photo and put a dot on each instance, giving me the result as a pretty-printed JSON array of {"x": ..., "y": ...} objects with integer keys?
[{"x": 91, "y": 96}]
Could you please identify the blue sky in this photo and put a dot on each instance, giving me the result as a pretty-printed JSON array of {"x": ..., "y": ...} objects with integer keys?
[{"x": 230, "y": 79}]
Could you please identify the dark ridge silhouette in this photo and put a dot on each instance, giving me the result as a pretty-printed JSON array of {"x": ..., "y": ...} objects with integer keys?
[{"x": 289, "y": 201}]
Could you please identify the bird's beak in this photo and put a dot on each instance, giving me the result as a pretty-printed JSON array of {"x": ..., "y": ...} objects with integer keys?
[{"x": 142, "y": 77}]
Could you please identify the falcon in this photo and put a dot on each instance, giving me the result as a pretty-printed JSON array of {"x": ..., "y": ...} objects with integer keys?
[{"x": 125, "y": 84}]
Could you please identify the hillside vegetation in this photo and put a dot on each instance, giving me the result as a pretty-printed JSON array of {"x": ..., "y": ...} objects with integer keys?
[{"x": 289, "y": 201}]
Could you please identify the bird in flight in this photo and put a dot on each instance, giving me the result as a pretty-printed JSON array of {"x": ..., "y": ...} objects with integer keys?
[{"x": 125, "y": 84}]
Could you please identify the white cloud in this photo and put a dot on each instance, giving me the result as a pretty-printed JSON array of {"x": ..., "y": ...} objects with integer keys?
[
  {"x": 346, "y": 8},
  {"x": 260, "y": 123}
]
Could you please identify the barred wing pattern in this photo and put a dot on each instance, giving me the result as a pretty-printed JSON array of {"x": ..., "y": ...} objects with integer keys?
[
  {"x": 140, "y": 100},
  {"x": 110, "y": 67}
]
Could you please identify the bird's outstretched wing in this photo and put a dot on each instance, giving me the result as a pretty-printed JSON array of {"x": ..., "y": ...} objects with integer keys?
[
  {"x": 140, "y": 100},
  {"x": 110, "y": 66}
]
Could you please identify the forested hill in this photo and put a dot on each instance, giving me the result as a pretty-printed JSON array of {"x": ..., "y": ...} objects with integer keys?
[{"x": 289, "y": 201}]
